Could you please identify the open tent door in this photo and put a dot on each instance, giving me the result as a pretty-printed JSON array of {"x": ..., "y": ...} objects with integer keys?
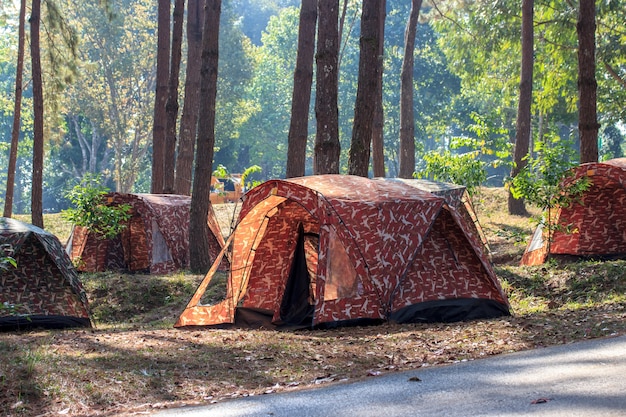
[{"x": 297, "y": 305}]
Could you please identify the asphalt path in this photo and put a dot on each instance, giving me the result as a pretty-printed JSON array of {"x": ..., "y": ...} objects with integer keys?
[{"x": 580, "y": 379}]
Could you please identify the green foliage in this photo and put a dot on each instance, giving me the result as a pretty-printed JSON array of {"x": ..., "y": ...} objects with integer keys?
[
  {"x": 91, "y": 211},
  {"x": 611, "y": 141},
  {"x": 547, "y": 182},
  {"x": 246, "y": 173},
  {"x": 222, "y": 172},
  {"x": 464, "y": 169},
  {"x": 6, "y": 260},
  {"x": 541, "y": 181},
  {"x": 468, "y": 158}
]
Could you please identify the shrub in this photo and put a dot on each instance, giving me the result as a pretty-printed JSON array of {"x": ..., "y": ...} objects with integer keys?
[{"x": 91, "y": 211}]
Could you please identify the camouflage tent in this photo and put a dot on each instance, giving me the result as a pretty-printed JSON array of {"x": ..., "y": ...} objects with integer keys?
[
  {"x": 457, "y": 198},
  {"x": 155, "y": 241},
  {"x": 335, "y": 249},
  {"x": 593, "y": 227},
  {"x": 43, "y": 290}
]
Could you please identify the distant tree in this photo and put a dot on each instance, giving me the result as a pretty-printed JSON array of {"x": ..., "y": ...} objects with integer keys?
[
  {"x": 36, "y": 206},
  {"x": 327, "y": 147},
  {"x": 162, "y": 77},
  {"x": 112, "y": 101},
  {"x": 612, "y": 140},
  {"x": 171, "y": 104},
  {"x": 198, "y": 227},
  {"x": 17, "y": 109},
  {"x": 587, "y": 85},
  {"x": 523, "y": 128},
  {"x": 407, "y": 118},
  {"x": 301, "y": 96},
  {"x": 189, "y": 117},
  {"x": 365, "y": 105}
]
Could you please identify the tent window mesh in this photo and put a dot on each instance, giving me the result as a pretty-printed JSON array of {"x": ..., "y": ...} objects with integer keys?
[
  {"x": 341, "y": 281},
  {"x": 160, "y": 250}
]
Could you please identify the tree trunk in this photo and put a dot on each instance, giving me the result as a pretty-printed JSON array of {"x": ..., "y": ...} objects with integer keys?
[
  {"x": 162, "y": 74},
  {"x": 523, "y": 128},
  {"x": 189, "y": 118},
  {"x": 36, "y": 205},
  {"x": 301, "y": 97},
  {"x": 407, "y": 118},
  {"x": 587, "y": 85},
  {"x": 17, "y": 114},
  {"x": 171, "y": 105},
  {"x": 378, "y": 143},
  {"x": 365, "y": 106},
  {"x": 327, "y": 147},
  {"x": 198, "y": 227}
]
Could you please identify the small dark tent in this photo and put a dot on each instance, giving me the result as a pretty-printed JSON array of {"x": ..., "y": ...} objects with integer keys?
[
  {"x": 336, "y": 249},
  {"x": 43, "y": 290},
  {"x": 156, "y": 239},
  {"x": 595, "y": 226}
]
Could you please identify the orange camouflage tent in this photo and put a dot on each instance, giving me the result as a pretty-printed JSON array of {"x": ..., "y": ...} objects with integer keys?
[
  {"x": 595, "y": 226},
  {"x": 156, "y": 239},
  {"x": 328, "y": 250}
]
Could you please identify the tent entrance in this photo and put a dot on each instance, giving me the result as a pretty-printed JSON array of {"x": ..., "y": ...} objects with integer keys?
[{"x": 298, "y": 301}]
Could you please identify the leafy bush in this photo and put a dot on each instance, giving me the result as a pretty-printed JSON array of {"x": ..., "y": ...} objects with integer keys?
[
  {"x": 467, "y": 160},
  {"x": 91, "y": 211}
]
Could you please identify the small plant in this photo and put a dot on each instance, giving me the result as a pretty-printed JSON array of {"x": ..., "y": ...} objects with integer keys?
[
  {"x": 6, "y": 260},
  {"x": 547, "y": 182},
  {"x": 246, "y": 173},
  {"x": 222, "y": 172},
  {"x": 91, "y": 211},
  {"x": 8, "y": 308}
]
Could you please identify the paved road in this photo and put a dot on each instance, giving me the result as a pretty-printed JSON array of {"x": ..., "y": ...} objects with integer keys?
[{"x": 582, "y": 379}]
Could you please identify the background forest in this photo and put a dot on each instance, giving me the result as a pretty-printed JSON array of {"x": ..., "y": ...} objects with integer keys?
[{"x": 99, "y": 73}]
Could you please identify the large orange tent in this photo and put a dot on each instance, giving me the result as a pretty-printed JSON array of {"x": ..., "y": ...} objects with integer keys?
[{"x": 335, "y": 249}]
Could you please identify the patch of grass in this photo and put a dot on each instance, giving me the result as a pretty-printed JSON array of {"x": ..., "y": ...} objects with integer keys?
[
  {"x": 53, "y": 223},
  {"x": 127, "y": 299}
]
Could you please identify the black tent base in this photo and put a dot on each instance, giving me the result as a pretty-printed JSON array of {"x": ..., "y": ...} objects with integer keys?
[
  {"x": 11, "y": 323},
  {"x": 440, "y": 311},
  {"x": 447, "y": 311}
]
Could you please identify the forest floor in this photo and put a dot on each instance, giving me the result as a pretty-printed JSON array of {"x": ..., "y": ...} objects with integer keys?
[{"x": 133, "y": 362}]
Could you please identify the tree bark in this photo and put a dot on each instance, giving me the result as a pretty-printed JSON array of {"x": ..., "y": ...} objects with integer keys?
[
  {"x": 365, "y": 106},
  {"x": 198, "y": 227},
  {"x": 301, "y": 97},
  {"x": 17, "y": 114},
  {"x": 171, "y": 105},
  {"x": 189, "y": 118},
  {"x": 36, "y": 205},
  {"x": 407, "y": 118},
  {"x": 378, "y": 143},
  {"x": 588, "y": 125},
  {"x": 523, "y": 128},
  {"x": 327, "y": 147},
  {"x": 162, "y": 74}
]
